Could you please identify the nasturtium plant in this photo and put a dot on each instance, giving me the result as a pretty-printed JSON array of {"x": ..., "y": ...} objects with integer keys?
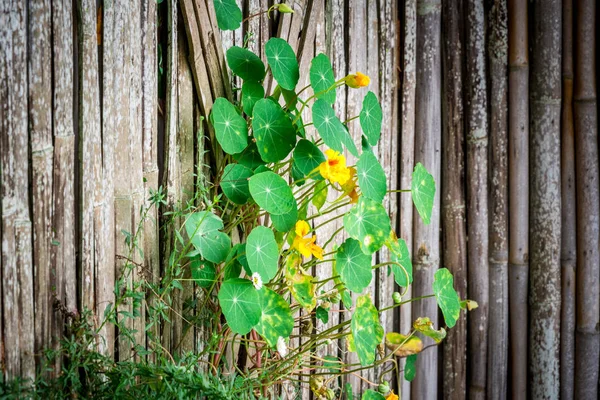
[
  {"x": 273, "y": 130},
  {"x": 229, "y": 15},
  {"x": 446, "y": 296},
  {"x": 230, "y": 127},
  {"x": 245, "y": 64},
  {"x": 272, "y": 193},
  {"x": 235, "y": 183},
  {"x": 369, "y": 223},
  {"x": 371, "y": 177},
  {"x": 262, "y": 253},
  {"x": 370, "y": 118},
  {"x": 240, "y": 303},
  {"x": 204, "y": 230},
  {"x": 423, "y": 192},
  {"x": 354, "y": 266},
  {"x": 276, "y": 318},
  {"x": 331, "y": 129},
  {"x": 283, "y": 63},
  {"x": 322, "y": 79},
  {"x": 366, "y": 330},
  {"x": 308, "y": 226}
]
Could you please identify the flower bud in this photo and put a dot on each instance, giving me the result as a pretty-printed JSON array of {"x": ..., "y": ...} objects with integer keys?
[
  {"x": 397, "y": 298},
  {"x": 284, "y": 8}
]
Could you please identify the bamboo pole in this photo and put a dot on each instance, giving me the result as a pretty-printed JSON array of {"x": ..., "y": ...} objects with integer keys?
[
  {"x": 16, "y": 230},
  {"x": 407, "y": 154},
  {"x": 586, "y": 147},
  {"x": 111, "y": 71},
  {"x": 477, "y": 195},
  {"x": 63, "y": 192},
  {"x": 518, "y": 175},
  {"x": 40, "y": 123},
  {"x": 568, "y": 209},
  {"x": 498, "y": 203},
  {"x": 454, "y": 238},
  {"x": 428, "y": 137},
  {"x": 544, "y": 210}
]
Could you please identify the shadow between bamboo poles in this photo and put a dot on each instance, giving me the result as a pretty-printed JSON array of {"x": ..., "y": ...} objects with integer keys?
[
  {"x": 454, "y": 240},
  {"x": 586, "y": 147},
  {"x": 568, "y": 210},
  {"x": 518, "y": 180}
]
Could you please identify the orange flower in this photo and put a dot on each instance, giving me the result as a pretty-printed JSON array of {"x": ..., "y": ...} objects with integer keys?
[
  {"x": 392, "y": 396},
  {"x": 357, "y": 81},
  {"x": 306, "y": 246},
  {"x": 334, "y": 169},
  {"x": 350, "y": 186}
]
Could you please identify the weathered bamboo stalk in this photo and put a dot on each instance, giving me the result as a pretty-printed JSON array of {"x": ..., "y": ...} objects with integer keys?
[
  {"x": 518, "y": 152},
  {"x": 587, "y": 337},
  {"x": 40, "y": 123},
  {"x": 407, "y": 154},
  {"x": 110, "y": 115},
  {"x": 150, "y": 151},
  {"x": 568, "y": 219},
  {"x": 428, "y": 137},
  {"x": 454, "y": 238},
  {"x": 477, "y": 195},
  {"x": 544, "y": 209},
  {"x": 63, "y": 193},
  {"x": 498, "y": 203}
]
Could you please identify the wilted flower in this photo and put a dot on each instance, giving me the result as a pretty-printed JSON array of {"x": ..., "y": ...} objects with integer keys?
[
  {"x": 306, "y": 246},
  {"x": 349, "y": 187},
  {"x": 281, "y": 347},
  {"x": 257, "y": 281},
  {"x": 334, "y": 169}
]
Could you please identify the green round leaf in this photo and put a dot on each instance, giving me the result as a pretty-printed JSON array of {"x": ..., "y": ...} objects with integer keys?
[
  {"x": 371, "y": 177},
  {"x": 250, "y": 157},
  {"x": 446, "y": 296},
  {"x": 425, "y": 326},
  {"x": 251, "y": 93},
  {"x": 372, "y": 395},
  {"x": 366, "y": 330},
  {"x": 322, "y": 78},
  {"x": 369, "y": 223},
  {"x": 272, "y": 193},
  {"x": 229, "y": 15},
  {"x": 423, "y": 192},
  {"x": 403, "y": 274},
  {"x": 331, "y": 129},
  {"x": 276, "y": 319},
  {"x": 262, "y": 253},
  {"x": 283, "y": 62},
  {"x": 285, "y": 222},
  {"x": 203, "y": 272},
  {"x": 307, "y": 157},
  {"x": 245, "y": 64},
  {"x": 273, "y": 130},
  {"x": 353, "y": 265},
  {"x": 239, "y": 301},
  {"x": 370, "y": 118},
  {"x": 410, "y": 368},
  {"x": 235, "y": 183},
  {"x": 230, "y": 127},
  {"x": 203, "y": 229}
]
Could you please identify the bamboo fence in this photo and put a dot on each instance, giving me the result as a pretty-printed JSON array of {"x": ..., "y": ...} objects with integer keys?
[{"x": 102, "y": 102}]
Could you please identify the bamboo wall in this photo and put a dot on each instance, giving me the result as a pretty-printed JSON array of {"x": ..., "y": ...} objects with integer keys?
[{"x": 100, "y": 102}]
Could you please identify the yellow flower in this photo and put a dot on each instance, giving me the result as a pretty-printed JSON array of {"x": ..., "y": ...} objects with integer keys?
[
  {"x": 306, "y": 246},
  {"x": 350, "y": 186},
  {"x": 335, "y": 168},
  {"x": 392, "y": 396},
  {"x": 357, "y": 81}
]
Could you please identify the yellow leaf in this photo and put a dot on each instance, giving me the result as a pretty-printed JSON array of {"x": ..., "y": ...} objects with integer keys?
[{"x": 402, "y": 345}]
